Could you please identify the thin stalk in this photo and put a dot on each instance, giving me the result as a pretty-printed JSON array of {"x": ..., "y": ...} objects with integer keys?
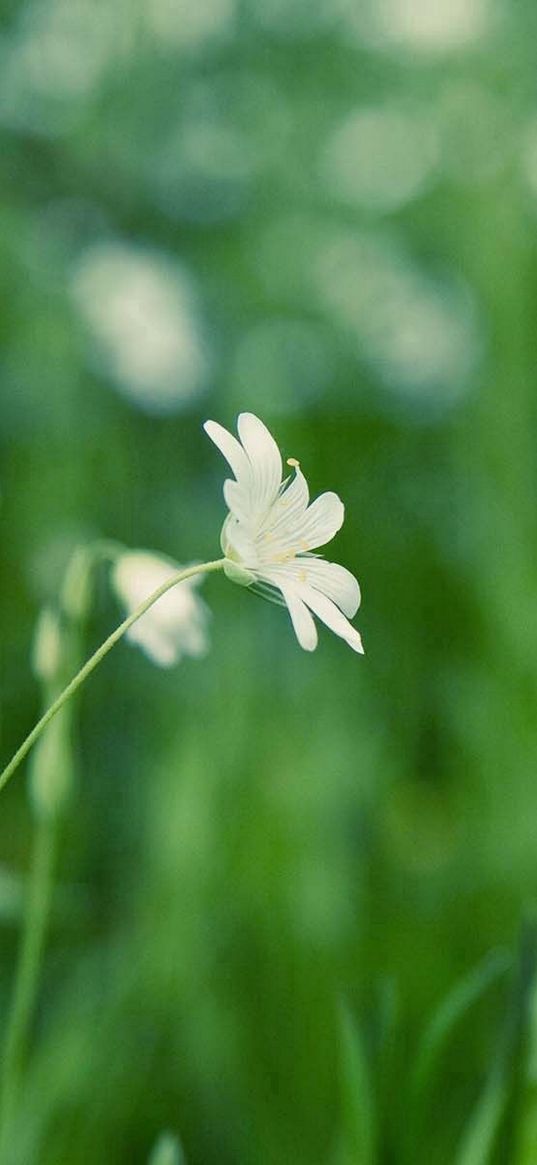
[
  {"x": 28, "y": 970},
  {"x": 95, "y": 659},
  {"x": 48, "y": 818}
]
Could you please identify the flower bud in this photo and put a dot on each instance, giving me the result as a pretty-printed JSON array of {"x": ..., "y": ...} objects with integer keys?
[
  {"x": 51, "y": 769},
  {"x": 167, "y": 1151},
  {"x": 47, "y": 646},
  {"x": 76, "y": 590}
]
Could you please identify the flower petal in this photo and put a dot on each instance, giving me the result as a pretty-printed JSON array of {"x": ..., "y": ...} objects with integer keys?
[
  {"x": 231, "y": 449},
  {"x": 265, "y": 460},
  {"x": 331, "y": 579},
  {"x": 237, "y": 499},
  {"x": 327, "y": 611},
  {"x": 305, "y": 629},
  {"x": 158, "y": 647},
  {"x": 322, "y": 521},
  {"x": 236, "y": 543},
  {"x": 136, "y": 573},
  {"x": 334, "y": 581},
  {"x": 287, "y": 513},
  {"x": 176, "y": 623}
]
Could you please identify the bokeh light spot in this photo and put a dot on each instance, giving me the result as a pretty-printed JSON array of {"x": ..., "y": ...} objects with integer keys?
[
  {"x": 140, "y": 309},
  {"x": 380, "y": 157},
  {"x": 419, "y": 335},
  {"x": 421, "y": 25},
  {"x": 190, "y": 23}
]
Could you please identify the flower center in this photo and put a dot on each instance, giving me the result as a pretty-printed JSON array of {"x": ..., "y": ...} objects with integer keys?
[{"x": 292, "y": 461}]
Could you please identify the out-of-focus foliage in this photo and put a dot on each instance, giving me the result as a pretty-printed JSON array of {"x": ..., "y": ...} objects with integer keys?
[{"x": 325, "y": 213}]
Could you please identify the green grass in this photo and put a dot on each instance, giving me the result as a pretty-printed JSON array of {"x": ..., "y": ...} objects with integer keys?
[{"x": 291, "y": 914}]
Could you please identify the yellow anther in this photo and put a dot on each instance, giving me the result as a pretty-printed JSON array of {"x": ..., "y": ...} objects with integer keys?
[{"x": 292, "y": 461}]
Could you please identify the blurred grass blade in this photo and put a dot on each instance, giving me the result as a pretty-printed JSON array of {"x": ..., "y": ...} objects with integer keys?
[
  {"x": 167, "y": 1151},
  {"x": 492, "y": 1132},
  {"x": 528, "y": 1117},
  {"x": 358, "y": 1106},
  {"x": 451, "y": 1011},
  {"x": 480, "y": 1137}
]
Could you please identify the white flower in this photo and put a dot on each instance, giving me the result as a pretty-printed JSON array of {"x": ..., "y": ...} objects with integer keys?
[
  {"x": 271, "y": 530},
  {"x": 176, "y": 624}
]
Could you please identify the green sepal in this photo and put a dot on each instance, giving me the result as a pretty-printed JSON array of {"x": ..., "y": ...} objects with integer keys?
[{"x": 238, "y": 574}]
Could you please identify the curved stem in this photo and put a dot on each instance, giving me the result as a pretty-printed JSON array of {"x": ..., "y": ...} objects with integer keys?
[
  {"x": 95, "y": 659},
  {"x": 29, "y": 961}
]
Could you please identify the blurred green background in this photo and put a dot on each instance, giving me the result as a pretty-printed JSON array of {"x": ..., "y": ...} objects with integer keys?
[{"x": 276, "y": 866}]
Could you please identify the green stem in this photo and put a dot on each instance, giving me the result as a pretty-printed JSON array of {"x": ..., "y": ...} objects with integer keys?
[
  {"x": 95, "y": 659},
  {"x": 29, "y": 962}
]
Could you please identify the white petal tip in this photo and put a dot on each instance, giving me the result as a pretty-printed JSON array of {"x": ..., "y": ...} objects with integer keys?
[{"x": 357, "y": 645}]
